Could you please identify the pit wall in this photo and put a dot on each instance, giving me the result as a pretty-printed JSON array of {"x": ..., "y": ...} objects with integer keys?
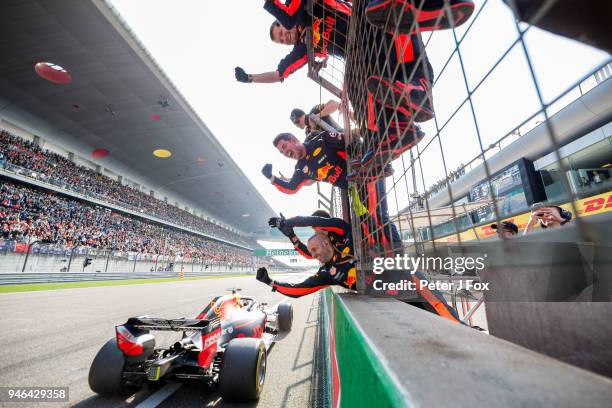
[
  {"x": 365, "y": 380},
  {"x": 385, "y": 353}
]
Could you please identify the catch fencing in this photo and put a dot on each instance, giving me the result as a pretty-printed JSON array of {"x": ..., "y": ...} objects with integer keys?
[{"x": 478, "y": 103}]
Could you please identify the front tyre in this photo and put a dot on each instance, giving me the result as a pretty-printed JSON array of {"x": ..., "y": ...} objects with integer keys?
[
  {"x": 106, "y": 372},
  {"x": 243, "y": 371}
]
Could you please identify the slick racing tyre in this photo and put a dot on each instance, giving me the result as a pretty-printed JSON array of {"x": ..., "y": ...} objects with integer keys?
[
  {"x": 243, "y": 371},
  {"x": 285, "y": 316},
  {"x": 106, "y": 372}
]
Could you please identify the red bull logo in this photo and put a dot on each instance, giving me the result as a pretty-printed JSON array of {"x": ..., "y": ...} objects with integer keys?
[
  {"x": 316, "y": 31},
  {"x": 330, "y": 22},
  {"x": 352, "y": 277},
  {"x": 334, "y": 177},
  {"x": 323, "y": 172}
]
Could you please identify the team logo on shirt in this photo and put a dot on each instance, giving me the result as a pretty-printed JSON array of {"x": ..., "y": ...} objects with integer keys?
[
  {"x": 305, "y": 169},
  {"x": 316, "y": 152},
  {"x": 316, "y": 31},
  {"x": 329, "y": 24},
  {"x": 351, "y": 279},
  {"x": 322, "y": 172}
]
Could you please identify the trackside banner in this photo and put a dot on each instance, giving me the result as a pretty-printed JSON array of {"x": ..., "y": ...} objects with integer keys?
[{"x": 275, "y": 252}]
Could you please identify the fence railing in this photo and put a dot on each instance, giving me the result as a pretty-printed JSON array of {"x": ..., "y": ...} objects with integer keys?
[{"x": 413, "y": 124}]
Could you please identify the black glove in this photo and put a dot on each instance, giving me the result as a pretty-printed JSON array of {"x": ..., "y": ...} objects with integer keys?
[
  {"x": 267, "y": 171},
  {"x": 262, "y": 276},
  {"x": 241, "y": 76},
  {"x": 276, "y": 222},
  {"x": 279, "y": 222}
]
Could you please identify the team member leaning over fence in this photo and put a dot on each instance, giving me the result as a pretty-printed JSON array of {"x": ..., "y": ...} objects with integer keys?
[
  {"x": 401, "y": 74},
  {"x": 318, "y": 119},
  {"x": 336, "y": 268},
  {"x": 337, "y": 230},
  {"x": 323, "y": 158},
  {"x": 406, "y": 16}
]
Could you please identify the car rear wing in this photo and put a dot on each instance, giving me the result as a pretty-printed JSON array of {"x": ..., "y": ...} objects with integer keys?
[{"x": 154, "y": 323}]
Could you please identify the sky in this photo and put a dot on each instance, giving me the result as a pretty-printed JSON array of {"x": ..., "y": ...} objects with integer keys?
[{"x": 199, "y": 42}]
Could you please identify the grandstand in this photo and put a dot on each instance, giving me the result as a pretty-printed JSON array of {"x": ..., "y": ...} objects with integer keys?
[{"x": 86, "y": 146}]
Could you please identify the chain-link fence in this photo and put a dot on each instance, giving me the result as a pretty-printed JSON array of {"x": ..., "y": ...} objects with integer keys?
[{"x": 451, "y": 131}]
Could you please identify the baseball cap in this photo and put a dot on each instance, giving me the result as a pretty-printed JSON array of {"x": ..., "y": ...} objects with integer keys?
[{"x": 506, "y": 225}]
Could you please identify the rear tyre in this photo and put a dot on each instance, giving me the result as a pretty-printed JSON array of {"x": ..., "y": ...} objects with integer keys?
[
  {"x": 243, "y": 371},
  {"x": 106, "y": 372},
  {"x": 285, "y": 316}
]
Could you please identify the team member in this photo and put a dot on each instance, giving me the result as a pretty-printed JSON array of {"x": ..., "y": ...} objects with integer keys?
[
  {"x": 329, "y": 28},
  {"x": 337, "y": 230},
  {"x": 318, "y": 119},
  {"x": 323, "y": 158},
  {"x": 424, "y": 15},
  {"x": 336, "y": 269},
  {"x": 401, "y": 72},
  {"x": 392, "y": 135}
]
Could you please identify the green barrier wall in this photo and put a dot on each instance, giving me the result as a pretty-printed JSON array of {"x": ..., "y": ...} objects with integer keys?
[{"x": 361, "y": 380}]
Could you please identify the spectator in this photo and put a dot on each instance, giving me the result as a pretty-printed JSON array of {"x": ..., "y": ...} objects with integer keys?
[
  {"x": 547, "y": 216},
  {"x": 28, "y": 159},
  {"x": 508, "y": 229},
  {"x": 28, "y": 214}
]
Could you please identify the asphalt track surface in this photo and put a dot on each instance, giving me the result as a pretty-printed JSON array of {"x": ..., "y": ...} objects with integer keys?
[{"x": 49, "y": 338}]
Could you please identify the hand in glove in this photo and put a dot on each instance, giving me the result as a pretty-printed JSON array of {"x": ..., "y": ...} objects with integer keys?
[
  {"x": 267, "y": 171},
  {"x": 242, "y": 76},
  {"x": 262, "y": 276},
  {"x": 279, "y": 222}
]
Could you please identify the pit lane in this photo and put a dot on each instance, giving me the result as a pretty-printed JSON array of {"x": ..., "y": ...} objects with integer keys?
[{"x": 49, "y": 338}]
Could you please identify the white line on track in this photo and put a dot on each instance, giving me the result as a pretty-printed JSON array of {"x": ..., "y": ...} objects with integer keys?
[{"x": 159, "y": 397}]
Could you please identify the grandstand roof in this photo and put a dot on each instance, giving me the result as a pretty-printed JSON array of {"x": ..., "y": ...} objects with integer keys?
[{"x": 115, "y": 102}]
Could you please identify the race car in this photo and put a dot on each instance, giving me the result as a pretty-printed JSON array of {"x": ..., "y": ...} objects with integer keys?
[{"x": 225, "y": 346}]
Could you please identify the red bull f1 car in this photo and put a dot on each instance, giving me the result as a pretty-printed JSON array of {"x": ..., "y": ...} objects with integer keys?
[{"x": 225, "y": 346}]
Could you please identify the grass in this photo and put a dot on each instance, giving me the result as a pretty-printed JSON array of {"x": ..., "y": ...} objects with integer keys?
[{"x": 29, "y": 287}]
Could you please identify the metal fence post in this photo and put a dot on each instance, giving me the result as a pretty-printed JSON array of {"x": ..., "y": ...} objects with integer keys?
[
  {"x": 85, "y": 260},
  {"x": 156, "y": 258},
  {"x": 71, "y": 255},
  {"x": 29, "y": 248},
  {"x": 107, "y": 259}
]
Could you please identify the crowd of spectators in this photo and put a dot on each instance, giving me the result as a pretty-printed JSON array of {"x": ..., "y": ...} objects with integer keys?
[
  {"x": 58, "y": 170},
  {"x": 452, "y": 176},
  {"x": 28, "y": 214}
]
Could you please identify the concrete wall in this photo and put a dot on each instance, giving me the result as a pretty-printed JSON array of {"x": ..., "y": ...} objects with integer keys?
[{"x": 385, "y": 353}]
